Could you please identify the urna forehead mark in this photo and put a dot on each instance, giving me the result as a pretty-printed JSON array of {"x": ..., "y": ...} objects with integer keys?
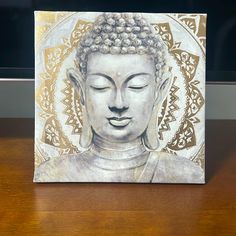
[{"x": 118, "y": 74}]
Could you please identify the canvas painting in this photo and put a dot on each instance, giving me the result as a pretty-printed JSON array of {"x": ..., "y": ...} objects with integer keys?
[{"x": 119, "y": 97}]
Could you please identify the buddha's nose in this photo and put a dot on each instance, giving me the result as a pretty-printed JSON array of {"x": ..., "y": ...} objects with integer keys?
[{"x": 118, "y": 103}]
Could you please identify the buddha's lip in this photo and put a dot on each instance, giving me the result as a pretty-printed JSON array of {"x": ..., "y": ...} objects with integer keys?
[
  {"x": 119, "y": 122},
  {"x": 119, "y": 118}
]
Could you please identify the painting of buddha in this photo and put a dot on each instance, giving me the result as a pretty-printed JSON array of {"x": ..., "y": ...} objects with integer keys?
[{"x": 122, "y": 78}]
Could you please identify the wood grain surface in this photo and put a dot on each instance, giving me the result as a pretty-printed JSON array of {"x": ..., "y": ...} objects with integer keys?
[{"x": 116, "y": 209}]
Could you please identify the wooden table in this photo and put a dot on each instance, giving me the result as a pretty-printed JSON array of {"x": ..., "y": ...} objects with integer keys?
[{"x": 116, "y": 209}]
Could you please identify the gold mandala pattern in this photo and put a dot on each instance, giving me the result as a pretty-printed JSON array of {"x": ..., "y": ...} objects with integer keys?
[
  {"x": 196, "y": 24},
  {"x": 185, "y": 136},
  {"x": 167, "y": 115},
  {"x": 54, "y": 57},
  {"x": 71, "y": 101}
]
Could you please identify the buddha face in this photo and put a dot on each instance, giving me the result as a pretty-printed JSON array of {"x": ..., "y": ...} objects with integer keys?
[{"x": 120, "y": 93}]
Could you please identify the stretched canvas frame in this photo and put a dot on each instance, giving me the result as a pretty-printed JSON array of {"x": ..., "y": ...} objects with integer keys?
[{"x": 69, "y": 143}]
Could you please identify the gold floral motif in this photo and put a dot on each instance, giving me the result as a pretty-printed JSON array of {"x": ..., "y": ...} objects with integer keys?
[
  {"x": 44, "y": 96},
  {"x": 196, "y": 24},
  {"x": 160, "y": 120},
  {"x": 52, "y": 136},
  {"x": 163, "y": 29},
  {"x": 187, "y": 62},
  {"x": 196, "y": 100},
  {"x": 73, "y": 108},
  {"x": 71, "y": 101},
  {"x": 167, "y": 115},
  {"x": 201, "y": 34},
  {"x": 184, "y": 138},
  {"x": 190, "y": 22},
  {"x": 53, "y": 59}
]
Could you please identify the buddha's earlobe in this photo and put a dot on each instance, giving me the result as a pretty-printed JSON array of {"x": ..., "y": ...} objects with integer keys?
[
  {"x": 150, "y": 136},
  {"x": 77, "y": 82}
]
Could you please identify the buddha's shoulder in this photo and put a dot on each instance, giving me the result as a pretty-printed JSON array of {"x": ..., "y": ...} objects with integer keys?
[
  {"x": 175, "y": 169},
  {"x": 59, "y": 168}
]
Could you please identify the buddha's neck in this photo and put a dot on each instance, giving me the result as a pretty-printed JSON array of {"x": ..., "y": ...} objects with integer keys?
[{"x": 121, "y": 150}]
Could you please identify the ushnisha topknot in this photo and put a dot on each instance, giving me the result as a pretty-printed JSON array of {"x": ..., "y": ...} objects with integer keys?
[{"x": 122, "y": 33}]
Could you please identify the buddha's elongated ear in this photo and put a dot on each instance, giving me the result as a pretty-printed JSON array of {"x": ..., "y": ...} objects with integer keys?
[
  {"x": 163, "y": 88},
  {"x": 77, "y": 81},
  {"x": 150, "y": 136}
]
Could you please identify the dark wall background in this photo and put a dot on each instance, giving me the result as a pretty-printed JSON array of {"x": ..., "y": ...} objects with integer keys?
[{"x": 17, "y": 42}]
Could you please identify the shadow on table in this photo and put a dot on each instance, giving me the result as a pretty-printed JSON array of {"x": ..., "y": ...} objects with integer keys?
[{"x": 220, "y": 143}]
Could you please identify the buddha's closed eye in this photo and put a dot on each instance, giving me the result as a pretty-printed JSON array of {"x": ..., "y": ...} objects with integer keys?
[
  {"x": 138, "y": 82},
  {"x": 100, "y": 88},
  {"x": 137, "y": 87}
]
